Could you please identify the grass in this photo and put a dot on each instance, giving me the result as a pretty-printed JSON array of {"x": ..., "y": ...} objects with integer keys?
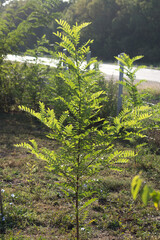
[{"x": 36, "y": 208}]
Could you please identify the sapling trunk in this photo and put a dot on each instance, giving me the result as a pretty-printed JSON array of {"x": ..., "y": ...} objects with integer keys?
[
  {"x": 77, "y": 190},
  {"x": 78, "y": 158},
  {"x": 1, "y": 206},
  {"x": 2, "y": 215},
  {"x": 77, "y": 207}
]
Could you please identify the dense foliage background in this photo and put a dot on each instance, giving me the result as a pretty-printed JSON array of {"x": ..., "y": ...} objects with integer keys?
[
  {"x": 27, "y": 26},
  {"x": 130, "y": 26}
]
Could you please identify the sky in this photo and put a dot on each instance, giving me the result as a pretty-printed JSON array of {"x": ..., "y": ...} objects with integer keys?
[{"x": 6, "y": 2}]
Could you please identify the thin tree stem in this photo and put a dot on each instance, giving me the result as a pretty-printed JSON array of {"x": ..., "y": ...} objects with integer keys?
[
  {"x": 77, "y": 207},
  {"x": 1, "y": 206},
  {"x": 2, "y": 230}
]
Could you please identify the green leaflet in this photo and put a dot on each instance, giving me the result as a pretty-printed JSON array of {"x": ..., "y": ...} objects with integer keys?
[
  {"x": 135, "y": 186},
  {"x": 146, "y": 192},
  {"x": 155, "y": 195},
  {"x": 86, "y": 204}
]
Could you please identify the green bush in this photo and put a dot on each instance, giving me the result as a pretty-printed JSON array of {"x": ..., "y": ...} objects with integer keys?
[{"x": 23, "y": 83}]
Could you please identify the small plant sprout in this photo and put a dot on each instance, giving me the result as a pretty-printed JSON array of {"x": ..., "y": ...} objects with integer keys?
[
  {"x": 139, "y": 187},
  {"x": 134, "y": 99}
]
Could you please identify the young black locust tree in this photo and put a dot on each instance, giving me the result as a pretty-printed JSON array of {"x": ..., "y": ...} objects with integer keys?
[{"x": 86, "y": 141}]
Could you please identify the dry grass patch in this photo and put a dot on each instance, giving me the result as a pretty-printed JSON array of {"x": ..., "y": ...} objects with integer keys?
[{"x": 39, "y": 209}]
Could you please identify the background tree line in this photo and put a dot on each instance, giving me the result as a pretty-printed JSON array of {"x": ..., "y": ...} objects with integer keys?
[{"x": 130, "y": 26}]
